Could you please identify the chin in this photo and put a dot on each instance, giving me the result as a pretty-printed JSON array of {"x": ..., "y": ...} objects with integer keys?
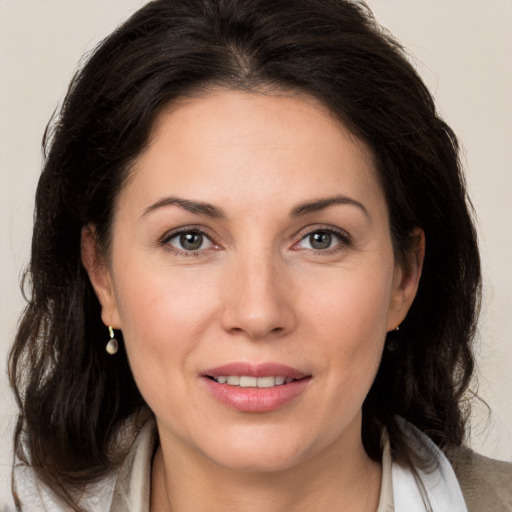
[
  {"x": 259, "y": 455},
  {"x": 258, "y": 463}
]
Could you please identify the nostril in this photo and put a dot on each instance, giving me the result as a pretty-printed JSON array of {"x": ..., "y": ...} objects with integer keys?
[{"x": 257, "y": 318}]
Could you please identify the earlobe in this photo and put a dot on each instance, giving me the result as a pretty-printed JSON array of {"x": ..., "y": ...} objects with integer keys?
[
  {"x": 407, "y": 279},
  {"x": 100, "y": 276}
]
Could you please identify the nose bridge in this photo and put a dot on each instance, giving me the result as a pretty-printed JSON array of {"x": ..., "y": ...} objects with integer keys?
[{"x": 258, "y": 301}]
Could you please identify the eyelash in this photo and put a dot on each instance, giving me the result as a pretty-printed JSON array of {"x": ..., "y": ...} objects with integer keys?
[
  {"x": 165, "y": 241},
  {"x": 343, "y": 237},
  {"x": 344, "y": 240}
]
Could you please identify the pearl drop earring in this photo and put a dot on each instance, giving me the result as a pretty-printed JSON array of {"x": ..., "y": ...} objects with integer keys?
[{"x": 112, "y": 346}]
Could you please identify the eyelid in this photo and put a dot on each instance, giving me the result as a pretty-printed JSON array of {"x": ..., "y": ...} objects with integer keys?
[
  {"x": 344, "y": 237},
  {"x": 202, "y": 230}
]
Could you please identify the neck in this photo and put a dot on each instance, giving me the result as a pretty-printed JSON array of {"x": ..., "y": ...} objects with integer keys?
[{"x": 341, "y": 477}]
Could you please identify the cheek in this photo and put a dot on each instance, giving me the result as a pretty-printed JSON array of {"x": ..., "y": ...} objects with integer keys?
[
  {"x": 350, "y": 305},
  {"x": 164, "y": 315},
  {"x": 349, "y": 320},
  {"x": 153, "y": 297},
  {"x": 350, "y": 350}
]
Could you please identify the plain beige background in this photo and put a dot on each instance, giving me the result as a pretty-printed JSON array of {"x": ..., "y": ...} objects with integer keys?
[{"x": 460, "y": 47}]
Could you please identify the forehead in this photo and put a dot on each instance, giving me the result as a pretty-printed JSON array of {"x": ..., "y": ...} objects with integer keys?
[{"x": 230, "y": 144}]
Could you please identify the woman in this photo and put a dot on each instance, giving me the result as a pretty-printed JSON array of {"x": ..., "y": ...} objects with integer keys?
[{"x": 255, "y": 276}]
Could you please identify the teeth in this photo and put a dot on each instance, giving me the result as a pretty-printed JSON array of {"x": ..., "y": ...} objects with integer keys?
[
  {"x": 266, "y": 382},
  {"x": 246, "y": 381}
]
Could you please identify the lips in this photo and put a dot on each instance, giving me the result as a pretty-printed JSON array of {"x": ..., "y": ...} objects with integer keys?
[
  {"x": 247, "y": 381},
  {"x": 255, "y": 388},
  {"x": 256, "y": 370}
]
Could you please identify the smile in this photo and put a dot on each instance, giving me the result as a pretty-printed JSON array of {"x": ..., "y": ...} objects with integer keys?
[
  {"x": 247, "y": 381},
  {"x": 255, "y": 388}
]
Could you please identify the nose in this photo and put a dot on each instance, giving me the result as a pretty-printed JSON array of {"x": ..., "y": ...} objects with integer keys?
[{"x": 258, "y": 300}]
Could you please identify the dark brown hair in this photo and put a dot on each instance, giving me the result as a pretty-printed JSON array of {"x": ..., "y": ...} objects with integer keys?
[{"x": 73, "y": 397}]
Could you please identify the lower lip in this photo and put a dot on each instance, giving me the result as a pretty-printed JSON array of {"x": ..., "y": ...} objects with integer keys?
[{"x": 256, "y": 399}]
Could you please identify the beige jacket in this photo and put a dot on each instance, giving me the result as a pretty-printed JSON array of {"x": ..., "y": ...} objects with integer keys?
[{"x": 486, "y": 483}]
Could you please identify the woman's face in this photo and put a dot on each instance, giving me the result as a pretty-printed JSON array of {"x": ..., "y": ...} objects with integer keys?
[{"x": 251, "y": 246}]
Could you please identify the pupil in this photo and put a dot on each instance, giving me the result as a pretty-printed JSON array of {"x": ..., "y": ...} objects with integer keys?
[
  {"x": 191, "y": 241},
  {"x": 321, "y": 240}
]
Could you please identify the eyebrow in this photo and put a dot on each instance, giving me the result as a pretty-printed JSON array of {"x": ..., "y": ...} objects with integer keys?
[
  {"x": 197, "y": 207},
  {"x": 321, "y": 204},
  {"x": 202, "y": 208}
]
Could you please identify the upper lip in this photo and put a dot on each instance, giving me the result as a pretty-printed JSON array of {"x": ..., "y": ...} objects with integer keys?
[{"x": 255, "y": 370}]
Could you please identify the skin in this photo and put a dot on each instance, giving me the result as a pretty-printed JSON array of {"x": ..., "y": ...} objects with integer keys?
[{"x": 256, "y": 291}]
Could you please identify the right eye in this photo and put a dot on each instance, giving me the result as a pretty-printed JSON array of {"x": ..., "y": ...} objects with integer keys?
[
  {"x": 190, "y": 241},
  {"x": 323, "y": 240},
  {"x": 319, "y": 240}
]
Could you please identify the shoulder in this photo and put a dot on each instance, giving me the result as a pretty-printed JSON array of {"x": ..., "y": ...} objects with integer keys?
[
  {"x": 485, "y": 483},
  {"x": 34, "y": 495}
]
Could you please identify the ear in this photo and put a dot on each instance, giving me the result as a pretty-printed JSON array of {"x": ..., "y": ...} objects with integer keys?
[
  {"x": 100, "y": 277},
  {"x": 406, "y": 280}
]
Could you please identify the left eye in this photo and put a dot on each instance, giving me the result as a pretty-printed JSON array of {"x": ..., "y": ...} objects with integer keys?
[
  {"x": 320, "y": 240},
  {"x": 190, "y": 241}
]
